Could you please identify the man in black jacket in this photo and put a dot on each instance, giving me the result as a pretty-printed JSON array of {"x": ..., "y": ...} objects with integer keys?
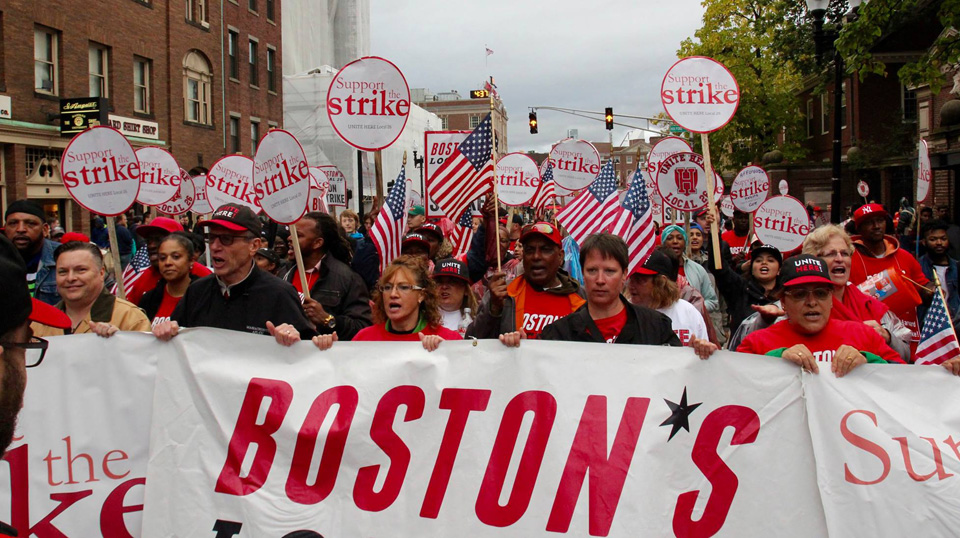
[
  {"x": 238, "y": 295},
  {"x": 608, "y": 316},
  {"x": 338, "y": 301}
]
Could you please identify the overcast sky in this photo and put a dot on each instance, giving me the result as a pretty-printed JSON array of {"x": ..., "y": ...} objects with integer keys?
[{"x": 562, "y": 53}]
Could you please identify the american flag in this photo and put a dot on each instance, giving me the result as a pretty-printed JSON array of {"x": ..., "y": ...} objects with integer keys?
[
  {"x": 938, "y": 342},
  {"x": 391, "y": 223},
  {"x": 635, "y": 222},
  {"x": 544, "y": 194},
  {"x": 134, "y": 270},
  {"x": 462, "y": 233},
  {"x": 466, "y": 174},
  {"x": 594, "y": 209}
]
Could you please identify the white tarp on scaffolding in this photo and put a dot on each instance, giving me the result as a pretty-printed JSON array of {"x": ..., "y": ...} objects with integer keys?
[{"x": 324, "y": 32}]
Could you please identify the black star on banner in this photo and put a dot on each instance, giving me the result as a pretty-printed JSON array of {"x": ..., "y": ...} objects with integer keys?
[{"x": 680, "y": 414}]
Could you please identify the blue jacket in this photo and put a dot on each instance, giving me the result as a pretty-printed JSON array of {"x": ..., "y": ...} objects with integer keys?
[
  {"x": 953, "y": 301},
  {"x": 46, "y": 283}
]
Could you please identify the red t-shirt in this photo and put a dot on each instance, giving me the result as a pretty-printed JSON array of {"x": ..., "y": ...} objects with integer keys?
[
  {"x": 736, "y": 242},
  {"x": 610, "y": 327},
  {"x": 150, "y": 277},
  {"x": 312, "y": 278},
  {"x": 379, "y": 333},
  {"x": 824, "y": 344},
  {"x": 541, "y": 309},
  {"x": 898, "y": 261},
  {"x": 167, "y": 305}
]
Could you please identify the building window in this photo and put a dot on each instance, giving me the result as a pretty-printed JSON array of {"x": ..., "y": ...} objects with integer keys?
[
  {"x": 234, "y": 134},
  {"x": 824, "y": 114},
  {"x": 45, "y": 61},
  {"x": 810, "y": 118},
  {"x": 141, "y": 85},
  {"x": 271, "y": 69},
  {"x": 197, "y": 83},
  {"x": 271, "y": 10},
  {"x": 99, "y": 60},
  {"x": 197, "y": 11},
  {"x": 629, "y": 159},
  {"x": 254, "y": 73},
  {"x": 252, "y": 5},
  {"x": 444, "y": 122},
  {"x": 474, "y": 121},
  {"x": 233, "y": 46},
  {"x": 254, "y": 135},
  {"x": 908, "y": 101},
  {"x": 843, "y": 106}
]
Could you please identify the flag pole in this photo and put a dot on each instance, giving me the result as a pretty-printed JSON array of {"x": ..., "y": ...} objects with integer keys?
[
  {"x": 714, "y": 230},
  {"x": 936, "y": 280},
  {"x": 493, "y": 156},
  {"x": 115, "y": 254}
]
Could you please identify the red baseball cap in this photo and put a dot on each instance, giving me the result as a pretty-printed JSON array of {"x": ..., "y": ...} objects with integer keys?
[
  {"x": 866, "y": 211},
  {"x": 544, "y": 229},
  {"x": 74, "y": 236},
  {"x": 161, "y": 225},
  {"x": 234, "y": 217}
]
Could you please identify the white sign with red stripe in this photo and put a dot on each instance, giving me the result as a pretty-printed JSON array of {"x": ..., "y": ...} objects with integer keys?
[
  {"x": 682, "y": 182},
  {"x": 183, "y": 200}
]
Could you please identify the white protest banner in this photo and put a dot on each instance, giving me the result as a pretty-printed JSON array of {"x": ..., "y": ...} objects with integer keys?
[
  {"x": 236, "y": 441},
  {"x": 663, "y": 149},
  {"x": 700, "y": 94},
  {"x": 750, "y": 188},
  {"x": 576, "y": 164},
  {"x": 783, "y": 187},
  {"x": 337, "y": 188},
  {"x": 159, "y": 176},
  {"x": 726, "y": 206},
  {"x": 230, "y": 181},
  {"x": 281, "y": 177},
  {"x": 183, "y": 200},
  {"x": 782, "y": 221},
  {"x": 887, "y": 449},
  {"x": 924, "y": 173},
  {"x": 439, "y": 146},
  {"x": 200, "y": 203},
  {"x": 518, "y": 179},
  {"x": 368, "y": 103},
  {"x": 681, "y": 182},
  {"x": 100, "y": 171},
  {"x": 79, "y": 464}
]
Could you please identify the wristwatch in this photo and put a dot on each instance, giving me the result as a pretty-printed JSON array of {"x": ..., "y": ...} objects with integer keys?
[{"x": 330, "y": 321}]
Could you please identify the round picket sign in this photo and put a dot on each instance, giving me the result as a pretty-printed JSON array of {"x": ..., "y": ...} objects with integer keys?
[
  {"x": 700, "y": 94},
  {"x": 182, "y": 201},
  {"x": 281, "y": 177},
  {"x": 200, "y": 202},
  {"x": 681, "y": 182},
  {"x": 518, "y": 178},
  {"x": 750, "y": 188},
  {"x": 230, "y": 181},
  {"x": 159, "y": 176},
  {"x": 663, "y": 149},
  {"x": 782, "y": 221},
  {"x": 100, "y": 171},
  {"x": 576, "y": 163},
  {"x": 368, "y": 103}
]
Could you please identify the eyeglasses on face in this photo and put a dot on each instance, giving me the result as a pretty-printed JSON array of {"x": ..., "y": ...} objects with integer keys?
[
  {"x": 402, "y": 288},
  {"x": 820, "y": 294},
  {"x": 34, "y": 350},
  {"x": 834, "y": 253},
  {"x": 227, "y": 239}
]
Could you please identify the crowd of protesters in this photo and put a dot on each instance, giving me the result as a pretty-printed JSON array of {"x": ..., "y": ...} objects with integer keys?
[{"x": 850, "y": 295}]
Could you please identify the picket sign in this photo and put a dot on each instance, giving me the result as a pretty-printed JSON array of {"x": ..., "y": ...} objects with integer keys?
[
  {"x": 576, "y": 163},
  {"x": 438, "y": 147},
  {"x": 230, "y": 181},
  {"x": 184, "y": 199},
  {"x": 782, "y": 221},
  {"x": 664, "y": 148},
  {"x": 924, "y": 172},
  {"x": 712, "y": 98},
  {"x": 201, "y": 204},
  {"x": 101, "y": 172},
  {"x": 518, "y": 179},
  {"x": 678, "y": 182},
  {"x": 160, "y": 176}
]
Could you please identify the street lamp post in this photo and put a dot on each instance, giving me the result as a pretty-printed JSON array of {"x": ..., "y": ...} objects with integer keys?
[
  {"x": 825, "y": 42},
  {"x": 418, "y": 162}
]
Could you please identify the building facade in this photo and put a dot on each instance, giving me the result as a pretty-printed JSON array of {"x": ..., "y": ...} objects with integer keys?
[
  {"x": 459, "y": 114},
  {"x": 182, "y": 75}
]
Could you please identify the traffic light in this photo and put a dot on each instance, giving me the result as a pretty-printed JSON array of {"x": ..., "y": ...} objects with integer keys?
[
  {"x": 608, "y": 118},
  {"x": 533, "y": 123}
]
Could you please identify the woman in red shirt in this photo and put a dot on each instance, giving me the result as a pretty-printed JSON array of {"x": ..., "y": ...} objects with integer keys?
[
  {"x": 174, "y": 260},
  {"x": 405, "y": 308}
]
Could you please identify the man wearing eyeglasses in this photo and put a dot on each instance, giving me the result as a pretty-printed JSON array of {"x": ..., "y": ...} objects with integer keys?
[
  {"x": 19, "y": 349},
  {"x": 238, "y": 296},
  {"x": 809, "y": 336},
  {"x": 535, "y": 299}
]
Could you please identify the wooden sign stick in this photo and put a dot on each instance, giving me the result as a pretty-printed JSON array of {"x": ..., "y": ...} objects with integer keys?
[{"x": 711, "y": 185}]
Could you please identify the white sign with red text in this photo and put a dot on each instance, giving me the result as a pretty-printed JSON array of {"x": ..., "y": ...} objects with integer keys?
[
  {"x": 100, "y": 171},
  {"x": 368, "y": 103},
  {"x": 439, "y": 145},
  {"x": 337, "y": 186},
  {"x": 783, "y": 187},
  {"x": 750, "y": 188},
  {"x": 700, "y": 94},
  {"x": 726, "y": 206},
  {"x": 663, "y": 149},
  {"x": 281, "y": 177},
  {"x": 230, "y": 181},
  {"x": 863, "y": 189},
  {"x": 682, "y": 182},
  {"x": 518, "y": 179},
  {"x": 576, "y": 163},
  {"x": 183, "y": 200},
  {"x": 159, "y": 176},
  {"x": 924, "y": 172},
  {"x": 782, "y": 221},
  {"x": 200, "y": 203}
]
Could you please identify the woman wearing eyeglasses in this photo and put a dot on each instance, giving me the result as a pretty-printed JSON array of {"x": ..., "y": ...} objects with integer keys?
[
  {"x": 405, "y": 308},
  {"x": 809, "y": 335}
]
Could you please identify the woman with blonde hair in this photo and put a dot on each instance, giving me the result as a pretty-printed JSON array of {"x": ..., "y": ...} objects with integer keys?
[
  {"x": 405, "y": 308},
  {"x": 654, "y": 285}
]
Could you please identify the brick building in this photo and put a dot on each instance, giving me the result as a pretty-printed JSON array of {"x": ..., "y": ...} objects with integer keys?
[
  {"x": 459, "y": 114},
  {"x": 177, "y": 74}
]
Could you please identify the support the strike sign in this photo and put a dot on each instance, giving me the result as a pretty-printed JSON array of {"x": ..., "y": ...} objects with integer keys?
[
  {"x": 184, "y": 198},
  {"x": 159, "y": 176},
  {"x": 230, "y": 181},
  {"x": 663, "y": 149},
  {"x": 750, "y": 188},
  {"x": 681, "y": 184},
  {"x": 368, "y": 103},
  {"x": 281, "y": 177},
  {"x": 924, "y": 173},
  {"x": 200, "y": 203},
  {"x": 518, "y": 179},
  {"x": 576, "y": 164},
  {"x": 782, "y": 221}
]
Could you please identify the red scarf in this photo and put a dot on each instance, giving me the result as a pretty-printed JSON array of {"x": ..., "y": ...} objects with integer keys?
[{"x": 857, "y": 306}]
